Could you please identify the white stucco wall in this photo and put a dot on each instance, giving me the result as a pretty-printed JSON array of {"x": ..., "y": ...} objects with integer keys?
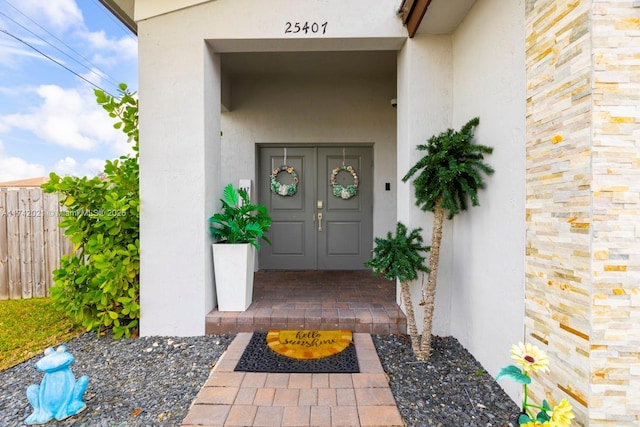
[
  {"x": 315, "y": 109},
  {"x": 257, "y": 25},
  {"x": 178, "y": 184},
  {"x": 180, "y": 174},
  {"x": 487, "y": 310},
  {"x": 425, "y": 96}
]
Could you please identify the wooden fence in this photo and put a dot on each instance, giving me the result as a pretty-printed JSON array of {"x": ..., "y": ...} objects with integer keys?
[{"x": 31, "y": 244}]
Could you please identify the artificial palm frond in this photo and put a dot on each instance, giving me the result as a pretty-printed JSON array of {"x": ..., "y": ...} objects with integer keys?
[
  {"x": 399, "y": 257},
  {"x": 451, "y": 171}
]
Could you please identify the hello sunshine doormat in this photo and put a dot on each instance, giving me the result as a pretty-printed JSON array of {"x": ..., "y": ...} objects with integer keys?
[
  {"x": 302, "y": 351},
  {"x": 309, "y": 344}
]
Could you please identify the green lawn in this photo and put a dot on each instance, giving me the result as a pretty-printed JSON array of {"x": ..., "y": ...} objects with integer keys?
[{"x": 28, "y": 326}]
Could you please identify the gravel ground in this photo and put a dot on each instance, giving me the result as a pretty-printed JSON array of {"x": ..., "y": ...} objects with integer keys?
[
  {"x": 450, "y": 389},
  {"x": 147, "y": 381},
  {"x": 152, "y": 381}
]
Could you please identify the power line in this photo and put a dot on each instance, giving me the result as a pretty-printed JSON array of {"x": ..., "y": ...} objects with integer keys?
[
  {"x": 53, "y": 60},
  {"x": 112, "y": 81},
  {"x": 58, "y": 49},
  {"x": 118, "y": 23}
]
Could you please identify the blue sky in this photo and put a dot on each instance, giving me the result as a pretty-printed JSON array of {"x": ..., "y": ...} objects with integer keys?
[{"x": 49, "y": 120}]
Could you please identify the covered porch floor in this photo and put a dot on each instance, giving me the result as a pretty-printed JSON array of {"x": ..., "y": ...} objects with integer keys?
[{"x": 356, "y": 300}]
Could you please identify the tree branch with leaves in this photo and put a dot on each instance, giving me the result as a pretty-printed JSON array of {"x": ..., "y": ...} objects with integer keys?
[{"x": 98, "y": 285}]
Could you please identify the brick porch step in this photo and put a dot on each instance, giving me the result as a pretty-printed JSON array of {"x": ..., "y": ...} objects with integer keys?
[
  {"x": 354, "y": 300},
  {"x": 372, "y": 320}
]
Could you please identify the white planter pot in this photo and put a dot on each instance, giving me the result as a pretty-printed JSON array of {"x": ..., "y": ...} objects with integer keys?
[{"x": 233, "y": 266}]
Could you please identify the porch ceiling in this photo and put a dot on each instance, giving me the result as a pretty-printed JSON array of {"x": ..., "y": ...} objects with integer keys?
[{"x": 371, "y": 63}]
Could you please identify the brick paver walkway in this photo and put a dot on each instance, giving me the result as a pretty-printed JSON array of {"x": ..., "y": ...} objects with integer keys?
[{"x": 231, "y": 398}]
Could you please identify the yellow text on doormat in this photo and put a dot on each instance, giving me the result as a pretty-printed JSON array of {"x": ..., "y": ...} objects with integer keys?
[{"x": 308, "y": 344}]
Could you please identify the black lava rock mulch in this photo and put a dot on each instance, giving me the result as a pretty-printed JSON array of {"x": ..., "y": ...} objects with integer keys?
[
  {"x": 152, "y": 381},
  {"x": 148, "y": 381},
  {"x": 450, "y": 389}
]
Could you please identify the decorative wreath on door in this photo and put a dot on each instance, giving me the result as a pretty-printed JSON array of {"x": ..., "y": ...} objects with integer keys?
[
  {"x": 340, "y": 191},
  {"x": 284, "y": 189}
]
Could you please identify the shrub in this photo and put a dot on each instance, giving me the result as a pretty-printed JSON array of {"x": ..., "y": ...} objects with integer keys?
[{"x": 98, "y": 284}]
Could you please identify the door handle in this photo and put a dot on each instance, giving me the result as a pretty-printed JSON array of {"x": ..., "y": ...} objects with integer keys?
[{"x": 319, "y": 221}]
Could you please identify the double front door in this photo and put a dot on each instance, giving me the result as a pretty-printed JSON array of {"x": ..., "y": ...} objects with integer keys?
[{"x": 326, "y": 224}]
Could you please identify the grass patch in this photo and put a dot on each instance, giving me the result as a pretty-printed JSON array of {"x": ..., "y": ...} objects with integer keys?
[{"x": 28, "y": 326}]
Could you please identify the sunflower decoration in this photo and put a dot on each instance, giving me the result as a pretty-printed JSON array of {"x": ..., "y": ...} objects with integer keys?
[
  {"x": 284, "y": 189},
  {"x": 530, "y": 357},
  {"x": 341, "y": 191},
  {"x": 536, "y": 423},
  {"x": 562, "y": 414}
]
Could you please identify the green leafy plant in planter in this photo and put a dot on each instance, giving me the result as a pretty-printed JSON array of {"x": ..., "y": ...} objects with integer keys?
[
  {"x": 399, "y": 258},
  {"x": 237, "y": 229},
  {"x": 446, "y": 177},
  {"x": 239, "y": 221}
]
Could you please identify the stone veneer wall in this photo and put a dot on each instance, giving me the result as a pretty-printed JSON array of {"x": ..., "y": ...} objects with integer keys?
[
  {"x": 583, "y": 205},
  {"x": 615, "y": 325}
]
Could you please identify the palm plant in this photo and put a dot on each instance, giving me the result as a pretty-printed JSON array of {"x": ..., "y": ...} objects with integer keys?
[
  {"x": 447, "y": 176},
  {"x": 398, "y": 258},
  {"x": 239, "y": 221}
]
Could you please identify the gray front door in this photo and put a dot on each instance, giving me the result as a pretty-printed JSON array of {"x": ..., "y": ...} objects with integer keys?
[{"x": 315, "y": 229}]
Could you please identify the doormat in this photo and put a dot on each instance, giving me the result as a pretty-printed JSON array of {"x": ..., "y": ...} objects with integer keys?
[
  {"x": 260, "y": 357},
  {"x": 309, "y": 344}
]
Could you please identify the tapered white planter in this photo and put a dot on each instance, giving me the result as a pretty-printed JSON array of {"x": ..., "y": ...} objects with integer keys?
[{"x": 233, "y": 266}]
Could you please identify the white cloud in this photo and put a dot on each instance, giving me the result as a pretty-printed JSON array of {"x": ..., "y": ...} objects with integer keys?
[
  {"x": 65, "y": 18},
  {"x": 94, "y": 166},
  {"x": 59, "y": 14},
  {"x": 12, "y": 52},
  {"x": 61, "y": 119},
  {"x": 68, "y": 118},
  {"x": 95, "y": 75},
  {"x": 13, "y": 168},
  {"x": 69, "y": 166},
  {"x": 125, "y": 45},
  {"x": 111, "y": 51}
]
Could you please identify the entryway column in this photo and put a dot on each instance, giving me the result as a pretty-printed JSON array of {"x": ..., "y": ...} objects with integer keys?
[
  {"x": 179, "y": 178},
  {"x": 424, "y": 109}
]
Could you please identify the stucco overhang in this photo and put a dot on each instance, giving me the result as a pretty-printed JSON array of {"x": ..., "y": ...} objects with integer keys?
[
  {"x": 420, "y": 16},
  {"x": 444, "y": 16},
  {"x": 433, "y": 16},
  {"x": 124, "y": 11},
  {"x": 412, "y": 12}
]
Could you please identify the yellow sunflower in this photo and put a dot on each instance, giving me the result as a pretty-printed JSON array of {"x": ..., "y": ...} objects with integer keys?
[
  {"x": 535, "y": 423},
  {"x": 562, "y": 414},
  {"x": 530, "y": 357}
]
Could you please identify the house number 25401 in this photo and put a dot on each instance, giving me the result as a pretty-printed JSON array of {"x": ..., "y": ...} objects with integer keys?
[{"x": 305, "y": 27}]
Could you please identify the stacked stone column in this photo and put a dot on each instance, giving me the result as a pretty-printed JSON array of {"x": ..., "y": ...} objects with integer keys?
[{"x": 583, "y": 204}]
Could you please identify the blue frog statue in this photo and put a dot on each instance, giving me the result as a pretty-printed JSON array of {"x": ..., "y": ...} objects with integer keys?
[{"x": 59, "y": 395}]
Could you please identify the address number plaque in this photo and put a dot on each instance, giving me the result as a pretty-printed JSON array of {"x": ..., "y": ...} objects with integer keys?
[{"x": 305, "y": 27}]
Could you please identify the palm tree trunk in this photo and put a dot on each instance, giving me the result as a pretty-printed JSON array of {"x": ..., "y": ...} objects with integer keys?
[
  {"x": 405, "y": 293},
  {"x": 430, "y": 294}
]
